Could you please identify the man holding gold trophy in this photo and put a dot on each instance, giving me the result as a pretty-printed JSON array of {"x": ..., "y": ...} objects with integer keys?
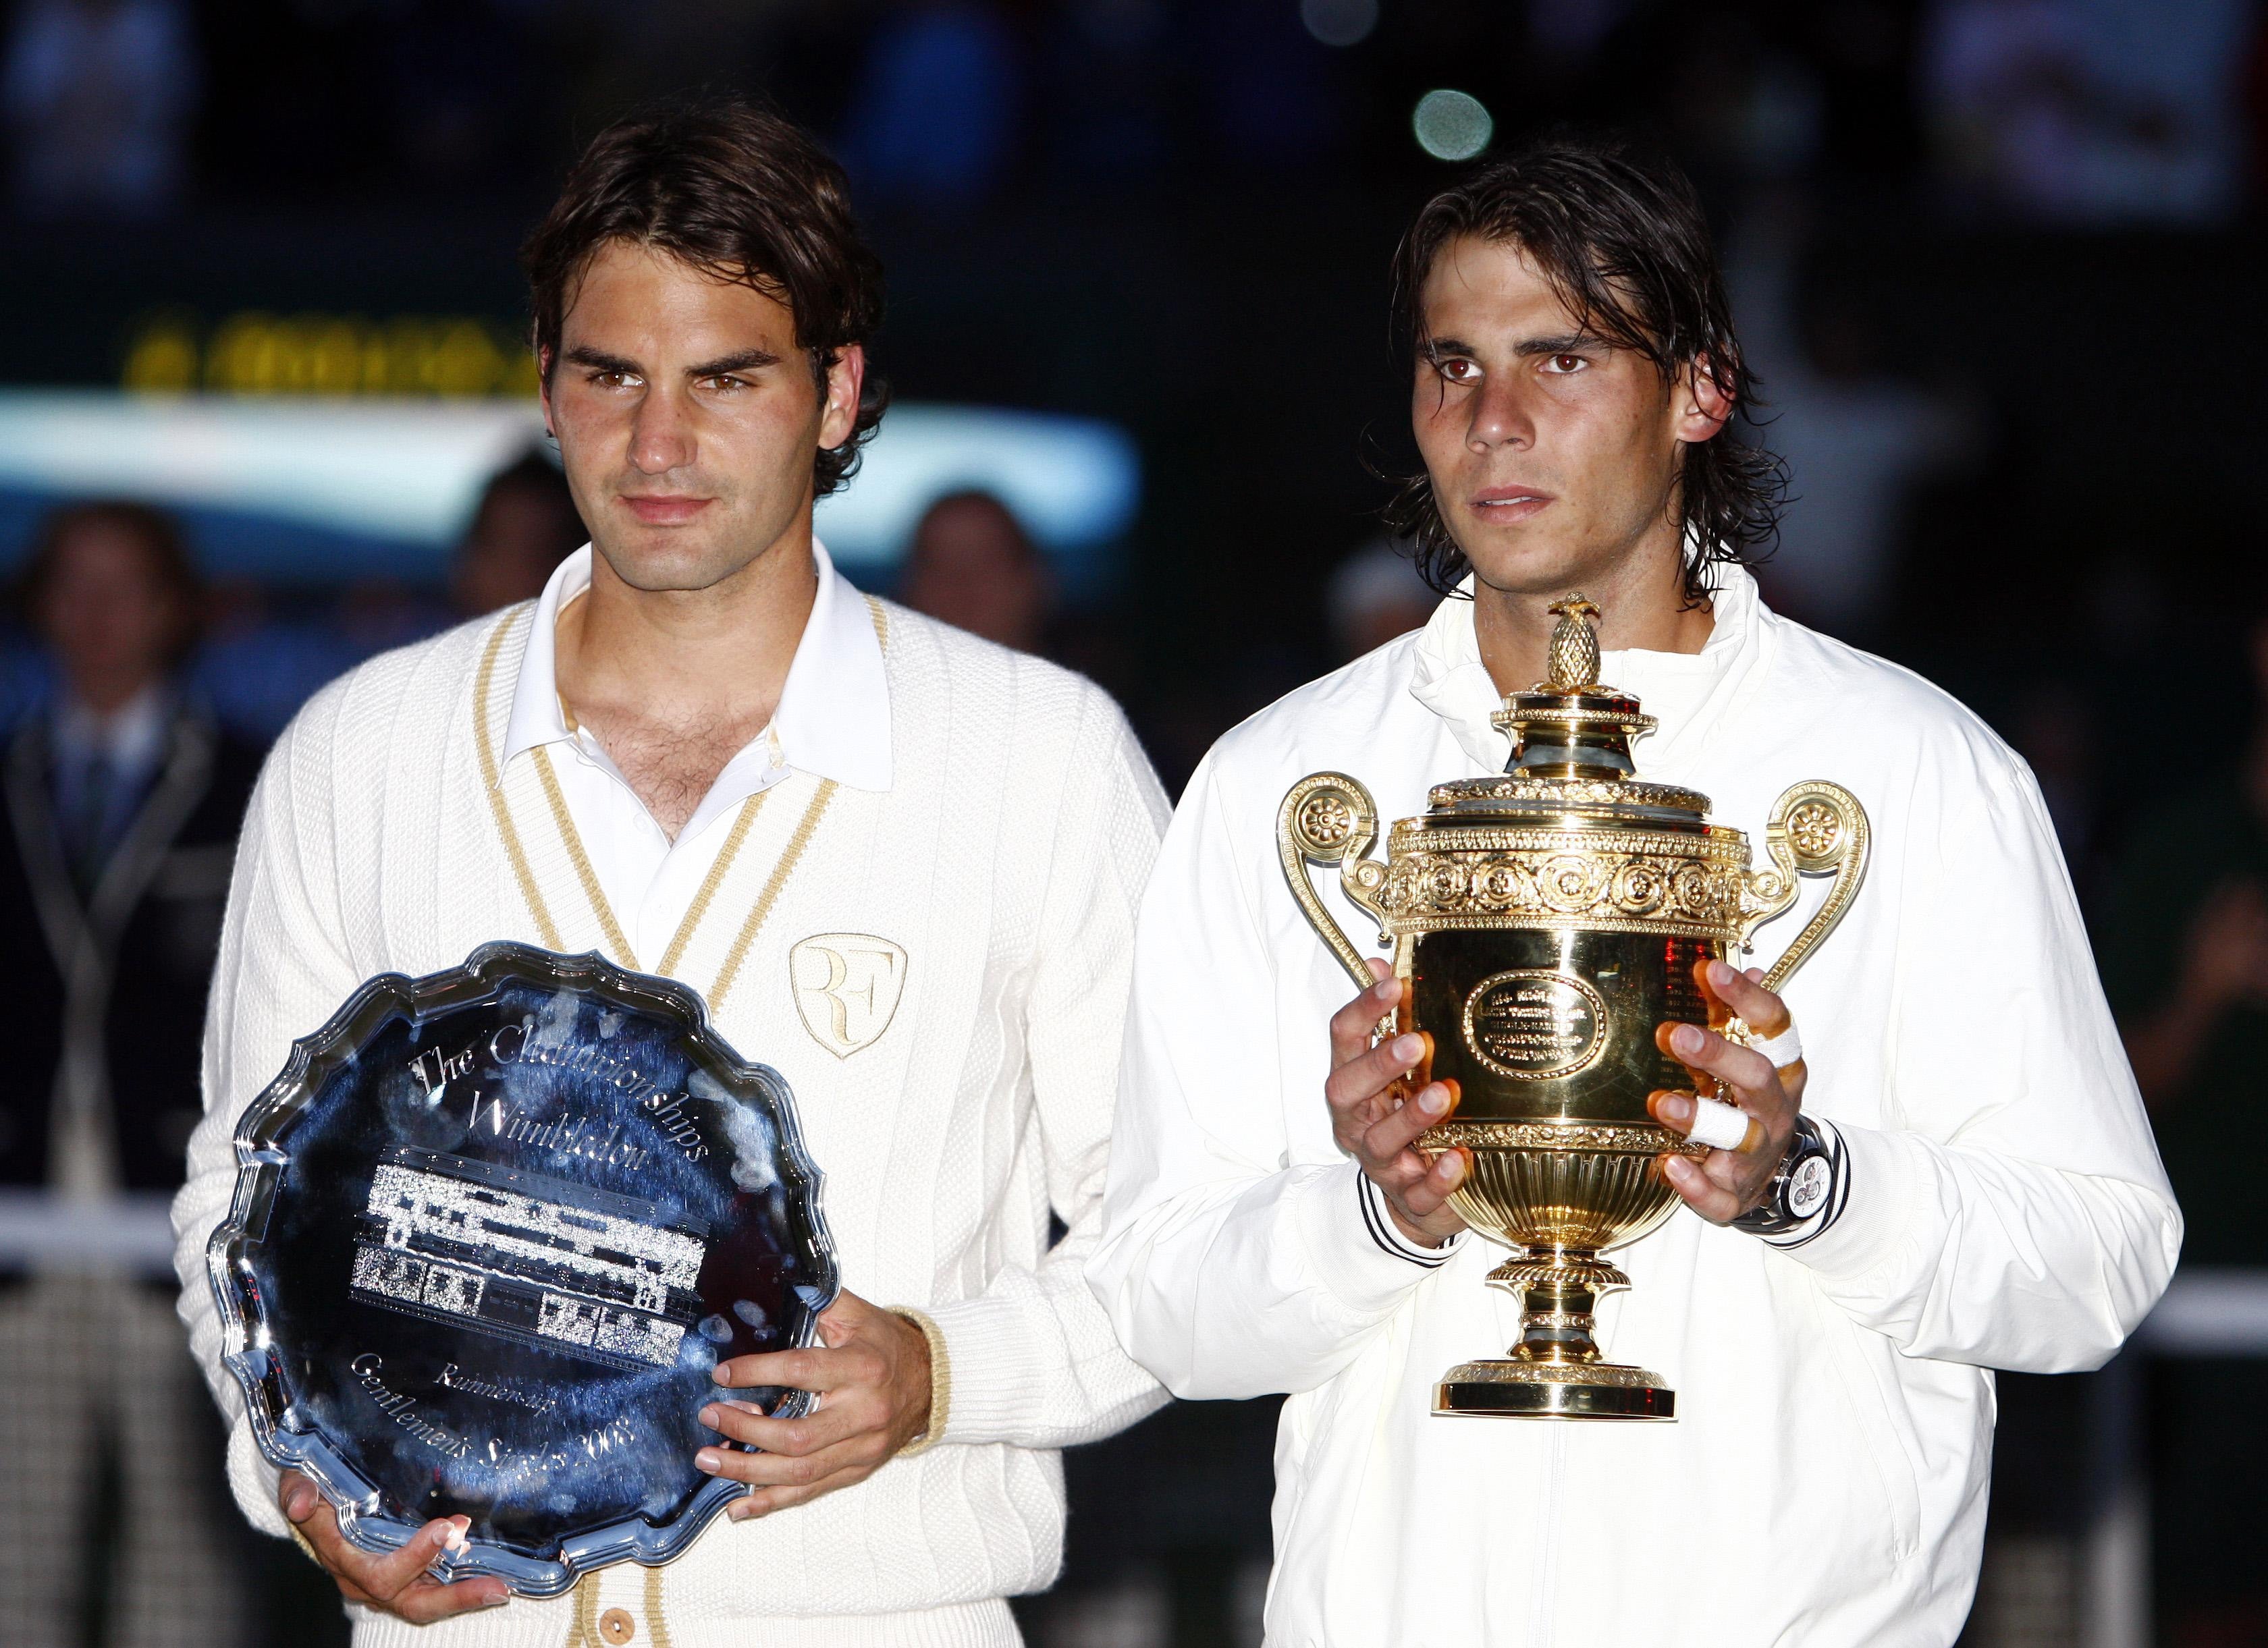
[
  {"x": 899, "y": 865},
  {"x": 1768, "y": 1231}
]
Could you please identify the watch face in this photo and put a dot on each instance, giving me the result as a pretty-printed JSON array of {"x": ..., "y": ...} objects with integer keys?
[{"x": 1808, "y": 1187}]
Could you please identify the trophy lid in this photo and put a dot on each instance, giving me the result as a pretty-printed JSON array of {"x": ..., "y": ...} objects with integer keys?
[{"x": 1571, "y": 742}]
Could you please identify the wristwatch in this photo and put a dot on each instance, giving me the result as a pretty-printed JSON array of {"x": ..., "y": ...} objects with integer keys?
[{"x": 1801, "y": 1188}]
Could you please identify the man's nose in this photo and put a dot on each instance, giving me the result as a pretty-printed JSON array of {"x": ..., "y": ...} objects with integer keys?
[
  {"x": 1500, "y": 416},
  {"x": 661, "y": 436}
]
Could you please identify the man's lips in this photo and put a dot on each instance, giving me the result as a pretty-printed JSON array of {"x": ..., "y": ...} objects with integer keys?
[
  {"x": 1510, "y": 504},
  {"x": 664, "y": 509}
]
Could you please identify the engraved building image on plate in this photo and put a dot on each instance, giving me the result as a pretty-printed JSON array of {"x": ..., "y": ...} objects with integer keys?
[{"x": 526, "y": 1258}]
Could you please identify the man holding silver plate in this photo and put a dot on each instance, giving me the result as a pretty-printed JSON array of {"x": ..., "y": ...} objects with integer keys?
[
  {"x": 1768, "y": 1231},
  {"x": 520, "y": 1281}
]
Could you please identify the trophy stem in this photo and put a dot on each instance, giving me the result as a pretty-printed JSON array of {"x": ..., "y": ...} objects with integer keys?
[{"x": 1556, "y": 1371}]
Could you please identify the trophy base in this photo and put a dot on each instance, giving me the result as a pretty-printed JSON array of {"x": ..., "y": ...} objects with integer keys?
[{"x": 1514, "y": 1389}]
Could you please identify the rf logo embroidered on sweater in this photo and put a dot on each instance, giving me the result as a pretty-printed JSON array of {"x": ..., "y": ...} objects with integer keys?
[{"x": 847, "y": 987}]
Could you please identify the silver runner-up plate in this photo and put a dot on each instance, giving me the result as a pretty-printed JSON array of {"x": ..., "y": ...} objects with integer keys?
[{"x": 492, "y": 1229}]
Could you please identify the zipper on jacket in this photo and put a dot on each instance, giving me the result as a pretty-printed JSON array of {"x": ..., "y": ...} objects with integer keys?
[{"x": 1543, "y": 1616}]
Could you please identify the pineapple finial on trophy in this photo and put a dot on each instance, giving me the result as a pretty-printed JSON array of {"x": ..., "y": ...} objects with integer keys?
[{"x": 1574, "y": 654}]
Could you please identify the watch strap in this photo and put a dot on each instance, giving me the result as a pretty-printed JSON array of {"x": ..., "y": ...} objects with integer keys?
[{"x": 1774, "y": 1217}]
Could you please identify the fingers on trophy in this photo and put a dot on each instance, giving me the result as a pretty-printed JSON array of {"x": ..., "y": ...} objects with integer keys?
[{"x": 1546, "y": 921}]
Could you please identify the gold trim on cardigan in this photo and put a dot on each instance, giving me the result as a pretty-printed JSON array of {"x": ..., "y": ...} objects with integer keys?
[
  {"x": 586, "y": 1633},
  {"x": 654, "y": 1621},
  {"x": 589, "y": 875},
  {"x": 804, "y": 830},
  {"x": 549, "y": 776},
  {"x": 572, "y": 838},
  {"x": 699, "y": 908},
  {"x": 494, "y": 782},
  {"x": 940, "y": 1381}
]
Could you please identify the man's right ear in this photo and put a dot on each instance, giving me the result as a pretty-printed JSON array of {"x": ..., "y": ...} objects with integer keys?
[{"x": 543, "y": 389}]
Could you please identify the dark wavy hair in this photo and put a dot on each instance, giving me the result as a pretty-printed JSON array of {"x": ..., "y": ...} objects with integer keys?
[
  {"x": 1623, "y": 243},
  {"x": 738, "y": 193}
]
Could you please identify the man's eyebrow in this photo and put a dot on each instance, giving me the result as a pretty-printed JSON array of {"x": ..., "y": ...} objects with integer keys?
[
  {"x": 583, "y": 355},
  {"x": 743, "y": 360},
  {"x": 1561, "y": 343},
  {"x": 1564, "y": 343}
]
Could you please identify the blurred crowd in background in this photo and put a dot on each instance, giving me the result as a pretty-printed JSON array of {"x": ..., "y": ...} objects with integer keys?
[{"x": 1995, "y": 261}]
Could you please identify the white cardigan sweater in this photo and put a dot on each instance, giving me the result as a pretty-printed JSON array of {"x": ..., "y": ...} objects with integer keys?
[{"x": 1006, "y": 858}]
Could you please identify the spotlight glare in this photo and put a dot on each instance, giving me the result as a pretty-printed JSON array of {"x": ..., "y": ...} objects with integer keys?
[
  {"x": 1339, "y": 22},
  {"x": 1452, "y": 125}
]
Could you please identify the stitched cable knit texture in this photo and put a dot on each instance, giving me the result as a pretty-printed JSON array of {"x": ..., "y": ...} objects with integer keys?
[{"x": 1006, "y": 858}]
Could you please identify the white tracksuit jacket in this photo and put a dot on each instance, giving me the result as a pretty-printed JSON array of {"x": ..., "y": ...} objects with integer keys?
[{"x": 1824, "y": 1482}]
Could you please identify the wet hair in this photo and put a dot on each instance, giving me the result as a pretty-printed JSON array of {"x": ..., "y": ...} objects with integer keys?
[
  {"x": 165, "y": 555},
  {"x": 741, "y": 194},
  {"x": 1624, "y": 244}
]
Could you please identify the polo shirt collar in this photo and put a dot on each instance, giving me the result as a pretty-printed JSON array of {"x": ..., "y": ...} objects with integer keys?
[{"x": 834, "y": 715}]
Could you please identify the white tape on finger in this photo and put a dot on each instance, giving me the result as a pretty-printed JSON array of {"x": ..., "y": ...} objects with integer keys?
[
  {"x": 1718, "y": 1125},
  {"x": 1783, "y": 1049}
]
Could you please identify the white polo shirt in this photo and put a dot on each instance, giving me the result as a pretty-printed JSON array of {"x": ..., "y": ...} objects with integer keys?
[{"x": 833, "y": 722}]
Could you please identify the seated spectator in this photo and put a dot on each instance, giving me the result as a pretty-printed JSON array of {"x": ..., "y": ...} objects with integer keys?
[
  {"x": 973, "y": 565},
  {"x": 123, "y": 803},
  {"x": 522, "y": 528}
]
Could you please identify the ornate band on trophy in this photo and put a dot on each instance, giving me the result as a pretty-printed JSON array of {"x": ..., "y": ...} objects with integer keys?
[
  {"x": 1457, "y": 873},
  {"x": 1646, "y": 1139}
]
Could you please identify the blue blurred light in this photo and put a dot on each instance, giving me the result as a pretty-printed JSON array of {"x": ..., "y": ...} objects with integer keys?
[
  {"x": 1452, "y": 125},
  {"x": 1339, "y": 22},
  {"x": 1073, "y": 482},
  {"x": 306, "y": 490}
]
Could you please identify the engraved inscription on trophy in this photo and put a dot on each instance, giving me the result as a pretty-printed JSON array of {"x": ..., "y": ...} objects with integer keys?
[
  {"x": 497, "y": 1388},
  {"x": 522, "y": 1257},
  {"x": 1533, "y": 1024},
  {"x": 367, "y": 1369}
]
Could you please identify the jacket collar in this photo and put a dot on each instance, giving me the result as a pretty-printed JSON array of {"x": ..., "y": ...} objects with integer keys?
[
  {"x": 1687, "y": 693},
  {"x": 90, "y": 930}
]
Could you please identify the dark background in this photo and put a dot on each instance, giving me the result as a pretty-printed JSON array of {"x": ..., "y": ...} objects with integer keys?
[{"x": 2023, "y": 235}]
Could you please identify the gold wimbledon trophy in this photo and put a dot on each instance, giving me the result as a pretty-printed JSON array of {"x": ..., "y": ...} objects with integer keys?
[{"x": 1546, "y": 920}]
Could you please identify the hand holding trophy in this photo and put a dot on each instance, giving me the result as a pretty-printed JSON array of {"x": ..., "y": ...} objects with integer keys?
[
  {"x": 1552, "y": 928},
  {"x": 1378, "y": 1119},
  {"x": 1762, "y": 1070}
]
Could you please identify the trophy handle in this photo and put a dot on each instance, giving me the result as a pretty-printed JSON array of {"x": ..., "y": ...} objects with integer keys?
[
  {"x": 1328, "y": 817},
  {"x": 1815, "y": 828}
]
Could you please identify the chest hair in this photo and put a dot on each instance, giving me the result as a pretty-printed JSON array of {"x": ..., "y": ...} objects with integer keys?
[{"x": 671, "y": 764}]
